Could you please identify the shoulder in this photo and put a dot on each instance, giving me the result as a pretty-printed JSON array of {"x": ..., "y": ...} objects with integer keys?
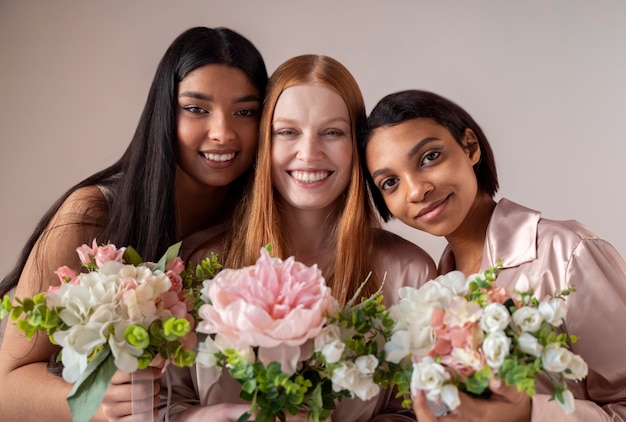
[
  {"x": 88, "y": 201},
  {"x": 403, "y": 262},
  {"x": 395, "y": 246},
  {"x": 565, "y": 237}
]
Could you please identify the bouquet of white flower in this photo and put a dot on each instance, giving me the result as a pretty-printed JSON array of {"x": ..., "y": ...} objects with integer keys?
[
  {"x": 454, "y": 332},
  {"x": 122, "y": 313}
]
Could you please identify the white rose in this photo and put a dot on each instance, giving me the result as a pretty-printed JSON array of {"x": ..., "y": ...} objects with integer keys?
[
  {"x": 568, "y": 402},
  {"x": 366, "y": 388},
  {"x": 577, "y": 368},
  {"x": 555, "y": 358},
  {"x": 345, "y": 376},
  {"x": 527, "y": 319},
  {"x": 495, "y": 317},
  {"x": 552, "y": 311},
  {"x": 428, "y": 375},
  {"x": 496, "y": 347},
  {"x": 366, "y": 364},
  {"x": 332, "y": 351},
  {"x": 329, "y": 334},
  {"x": 528, "y": 343}
]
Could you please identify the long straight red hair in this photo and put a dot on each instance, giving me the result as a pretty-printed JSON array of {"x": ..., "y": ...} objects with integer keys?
[{"x": 354, "y": 221}]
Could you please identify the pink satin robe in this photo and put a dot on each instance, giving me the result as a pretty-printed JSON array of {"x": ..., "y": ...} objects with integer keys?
[{"x": 553, "y": 255}]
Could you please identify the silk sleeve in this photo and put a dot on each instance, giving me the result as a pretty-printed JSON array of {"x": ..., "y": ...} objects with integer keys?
[{"x": 596, "y": 313}]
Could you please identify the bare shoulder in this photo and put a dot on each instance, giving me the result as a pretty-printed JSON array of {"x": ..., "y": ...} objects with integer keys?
[{"x": 85, "y": 202}]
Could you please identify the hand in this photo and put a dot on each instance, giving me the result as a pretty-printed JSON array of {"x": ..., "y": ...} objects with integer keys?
[
  {"x": 506, "y": 403},
  {"x": 139, "y": 390}
]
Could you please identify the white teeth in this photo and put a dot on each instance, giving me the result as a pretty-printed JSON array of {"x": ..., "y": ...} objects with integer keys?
[
  {"x": 309, "y": 176},
  {"x": 218, "y": 157}
]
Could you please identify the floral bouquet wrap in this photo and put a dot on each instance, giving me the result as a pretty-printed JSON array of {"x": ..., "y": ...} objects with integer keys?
[
  {"x": 454, "y": 333},
  {"x": 121, "y": 313},
  {"x": 279, "y": 332}
]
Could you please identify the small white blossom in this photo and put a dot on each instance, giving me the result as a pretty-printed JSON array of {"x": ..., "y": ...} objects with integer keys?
[
  {"x": 367, "y": 364},
  {"x": 495, "y": 317},
  {"x": 333, "y": 351},
  {"x": 577, "y": 368},
  {"x": 206, "y": 353},
  {"x": 552, "y": 311},
  {"x": 329, "y": 334},
  {"x": 555, "y": 358},
  {"x": 496, "y": 346},
  {"x": 528, "y": 343},
  {"x": 527, "y": 319},
  {"x": 568, "y": 404},
  {"x": 366, "y": 388},
  {"x": 428, "y": 375}
]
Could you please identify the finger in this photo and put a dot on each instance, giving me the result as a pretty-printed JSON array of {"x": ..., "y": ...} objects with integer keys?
[{"x": 423, "y": 413}]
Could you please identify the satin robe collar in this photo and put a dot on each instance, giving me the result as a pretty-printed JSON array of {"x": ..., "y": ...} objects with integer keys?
[{"x": 511, "y": 237}]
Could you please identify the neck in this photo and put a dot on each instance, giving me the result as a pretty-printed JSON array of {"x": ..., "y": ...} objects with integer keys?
[
  {"x": 467, "y": 242},
  {"x": 310, "y": 236},
  {"x": 199, "y": 209}
]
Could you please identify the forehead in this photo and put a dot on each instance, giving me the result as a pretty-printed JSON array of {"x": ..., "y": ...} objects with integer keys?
[
  {"x": 310, "y": 100},
  {"x": 213, "y": 77}
]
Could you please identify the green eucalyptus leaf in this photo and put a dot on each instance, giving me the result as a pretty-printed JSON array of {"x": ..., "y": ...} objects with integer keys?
[{"x": 88, "y": 392}]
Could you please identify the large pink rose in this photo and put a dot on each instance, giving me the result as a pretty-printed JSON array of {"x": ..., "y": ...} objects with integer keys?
[{"x": 275, "y": 305}]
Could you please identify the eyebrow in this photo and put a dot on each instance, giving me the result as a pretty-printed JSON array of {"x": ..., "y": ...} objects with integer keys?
[
  {"x": 412, "y": 152},
  {"x": 325, "y": 122},
  {"x": 200, "y": 96}
]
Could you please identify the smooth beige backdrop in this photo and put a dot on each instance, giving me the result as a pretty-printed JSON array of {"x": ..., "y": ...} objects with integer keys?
[{"x": 546, "y": 79}]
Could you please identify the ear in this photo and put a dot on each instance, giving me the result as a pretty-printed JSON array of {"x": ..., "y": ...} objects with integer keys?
[{"x": 471, "y": 146}]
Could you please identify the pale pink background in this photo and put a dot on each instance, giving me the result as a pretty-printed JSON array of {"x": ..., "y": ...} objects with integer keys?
[{"x": 545, "y": 78}]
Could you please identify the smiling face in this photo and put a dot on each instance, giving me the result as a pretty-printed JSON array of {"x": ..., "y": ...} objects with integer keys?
[
  {"x": 311, "y": 146},
  {"x": 426, "y": 178},
  {"x": 217, "y": 124}
]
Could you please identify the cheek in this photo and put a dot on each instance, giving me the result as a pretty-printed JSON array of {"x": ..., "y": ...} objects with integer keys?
[
  {"x": 249, "y": 136},
  {"x": 186, "y": 134}
]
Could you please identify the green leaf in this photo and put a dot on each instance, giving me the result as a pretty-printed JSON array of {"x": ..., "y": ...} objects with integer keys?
[
  {"x": 88, "y": 392},
  {"x": 132, "y": 257},
  {"x": 170, "y": 254}
]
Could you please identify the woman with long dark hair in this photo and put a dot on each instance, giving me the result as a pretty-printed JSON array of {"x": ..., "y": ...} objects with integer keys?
[{"x": 183, "y": 172}]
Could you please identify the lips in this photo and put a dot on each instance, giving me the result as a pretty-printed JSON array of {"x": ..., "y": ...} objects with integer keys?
[
  {"x": 218, "y": 157},
  {"x": 309, "y": 176},
  {"x": 432, "y": 207}
]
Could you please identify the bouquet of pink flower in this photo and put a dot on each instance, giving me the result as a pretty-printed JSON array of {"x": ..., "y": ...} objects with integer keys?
[
  {"x": 454, "y": 332},
  {"x": 121, "y": 314},
  {"x": 281, "y": 334}
]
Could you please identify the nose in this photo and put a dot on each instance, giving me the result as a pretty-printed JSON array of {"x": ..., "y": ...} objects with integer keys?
[
  {"x": 220, "y": 128},
  {"x": 310, "y": 148},
  {"x": 417, "y": 189}
]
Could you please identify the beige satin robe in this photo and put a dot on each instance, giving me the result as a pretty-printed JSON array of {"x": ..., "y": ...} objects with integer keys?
[
  {"x": 404, "y": 263},
  {"x": 553, "y": 255}
]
